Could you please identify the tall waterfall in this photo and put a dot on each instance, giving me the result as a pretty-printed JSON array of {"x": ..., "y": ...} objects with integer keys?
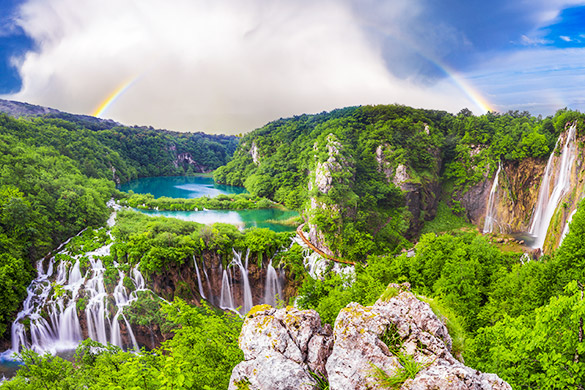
[
  {"x": 199, "y": 284},
  {"x": 490, "y": 217},
  {"x": 566, "y": 228},
  {"x": 236, "y": 291},
  {"x": 273, "y": 287},
  {"x": 556, "y": 183}
]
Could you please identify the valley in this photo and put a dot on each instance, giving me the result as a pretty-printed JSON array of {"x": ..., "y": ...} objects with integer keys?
[{"x": 399, "y": 195}]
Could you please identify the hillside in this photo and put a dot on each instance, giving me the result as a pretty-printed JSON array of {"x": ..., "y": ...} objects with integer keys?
[
  {"x": 367, "y": 178},
  {"x": 369, "y": 182}
]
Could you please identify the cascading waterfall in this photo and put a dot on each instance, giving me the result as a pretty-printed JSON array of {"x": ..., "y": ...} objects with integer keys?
[
  {"x": 245, "y": 282},
  {"x": 316, "y": 265},
  {"x": 51, "y": 305},
  {"x": 490, "y": 217},
  {"x": 566, "y": 228},
  {"x": 211, "y": 298},
  {"x": 236, "y": 273},
  {"x": 226, "y": 300},
  {"x": 549, "y": 200},
  {"x": 199, "y": 284},
  {"x": 273, "y": 287}
]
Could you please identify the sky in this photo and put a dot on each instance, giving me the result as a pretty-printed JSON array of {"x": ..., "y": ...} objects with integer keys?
[{"x": 230, "y": 66}]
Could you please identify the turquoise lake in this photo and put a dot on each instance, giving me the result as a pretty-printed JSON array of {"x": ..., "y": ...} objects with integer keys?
[
  {"x": 180, "y": 187},
  {"x": 195, "y": 187}
]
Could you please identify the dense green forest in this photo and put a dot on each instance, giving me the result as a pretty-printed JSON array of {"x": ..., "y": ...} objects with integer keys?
[
  {"x": 57, "y": 176},
  {"x": 364, "y": 212},
  {"x": 517, "y": 317}
]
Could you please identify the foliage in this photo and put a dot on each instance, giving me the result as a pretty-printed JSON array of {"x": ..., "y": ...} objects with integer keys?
[
  {"x": 357, "y": 152},
  {"x": 445, "y": 221},
  {"x": 220, "y": 202},
  {"x": 158, "y": 242},
  {"x": 544, "y": 349}
]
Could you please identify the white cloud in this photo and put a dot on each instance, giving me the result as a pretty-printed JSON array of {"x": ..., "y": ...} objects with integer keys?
[
  {"x": 538, "y": 80},
  {"x": 565, "y": 38},
  {"x": 527, "y": 41},
  {"x": 216, "y": 66}
]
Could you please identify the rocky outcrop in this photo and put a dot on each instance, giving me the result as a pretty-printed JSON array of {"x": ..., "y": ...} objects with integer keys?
[
  {"x": 280, "y": 346},
  {"x": 321, "y": 182},
  {"x": 185, "y": 159},
  {"x": 422, "y": 194},
  {"x": 254, "y": 153},
  {"x": 281, "y": 349}
]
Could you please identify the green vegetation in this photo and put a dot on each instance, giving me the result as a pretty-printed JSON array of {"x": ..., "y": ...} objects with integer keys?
[
  {"x": 408, "y": 366},
  {"x": 358, "y": 153},
  {"x": 220, "y": 202},
  {"x": 58, "y": 173},
  {"x": 522, "y": 321},
  {"x": 445, "y": 221},
  {"x": 157, "y": 243}
]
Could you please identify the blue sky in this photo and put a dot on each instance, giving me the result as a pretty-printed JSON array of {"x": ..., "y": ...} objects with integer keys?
[{"x": 233, "y": 65}]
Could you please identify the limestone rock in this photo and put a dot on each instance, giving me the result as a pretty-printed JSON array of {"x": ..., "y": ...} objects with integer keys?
[
  {"x": 358, "y": 346},
  {"x": 401, "y": 176},
  {"x": 280, "y": 347},
  {"x": 254, "y": 153}
]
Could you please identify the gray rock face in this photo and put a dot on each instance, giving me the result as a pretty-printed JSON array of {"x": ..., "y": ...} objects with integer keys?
[
  {"x": 279, "y": 345},
  {"x": 254, "y": 153}
]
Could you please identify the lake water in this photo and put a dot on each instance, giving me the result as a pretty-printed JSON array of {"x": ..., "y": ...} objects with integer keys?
[
  {"x": 180, "y": 187},
  {"x": 194, "y": 187}
]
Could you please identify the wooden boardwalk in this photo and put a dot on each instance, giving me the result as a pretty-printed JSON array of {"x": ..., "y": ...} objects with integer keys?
[{"x": 317, "y": 250}]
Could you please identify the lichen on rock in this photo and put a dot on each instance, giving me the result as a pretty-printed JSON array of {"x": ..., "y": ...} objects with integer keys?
[{"x": 280, "y": 346}]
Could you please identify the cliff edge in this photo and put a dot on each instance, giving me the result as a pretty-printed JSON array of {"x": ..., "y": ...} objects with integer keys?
[{"x": 396, "y": 343}]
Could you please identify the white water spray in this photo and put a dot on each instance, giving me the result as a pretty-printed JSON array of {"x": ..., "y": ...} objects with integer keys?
[
  {"x": 557, "y": 177},
  {"x": 490, "y": 217}
]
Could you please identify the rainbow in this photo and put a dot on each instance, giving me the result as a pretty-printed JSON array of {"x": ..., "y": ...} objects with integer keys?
[
  {"x": 103, "y": 107},
  {"x": 460, "y": 82},
  {"x": 465, "y": 86}
]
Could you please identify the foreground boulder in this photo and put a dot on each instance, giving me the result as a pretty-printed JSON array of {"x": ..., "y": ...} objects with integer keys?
[
  {"x": 281, "y": 349},
  {"x": 398, "y": 340}
]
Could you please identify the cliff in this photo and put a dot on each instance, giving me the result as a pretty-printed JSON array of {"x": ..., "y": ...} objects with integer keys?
[{"x": 398, "y": 340}]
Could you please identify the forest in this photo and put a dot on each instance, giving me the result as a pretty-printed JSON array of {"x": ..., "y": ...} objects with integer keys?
[{"x": 518, "y": 317}]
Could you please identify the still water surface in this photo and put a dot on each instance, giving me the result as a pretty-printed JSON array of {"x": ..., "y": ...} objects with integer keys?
[{"x": 194, "y": 187}]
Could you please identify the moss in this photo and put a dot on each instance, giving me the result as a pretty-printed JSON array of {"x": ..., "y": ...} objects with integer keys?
[
  {"x": 243, "y": 384},
  {"x": 256, "y": 309}
]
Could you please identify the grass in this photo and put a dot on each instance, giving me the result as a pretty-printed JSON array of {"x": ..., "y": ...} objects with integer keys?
[
  {"x": 451, "y": 321},
  {"x": 321, "y": 382},
  {"x": 409, "y": 369},
  {"x": 445, "y": 221},
  {"x": 389, "y": 293}
]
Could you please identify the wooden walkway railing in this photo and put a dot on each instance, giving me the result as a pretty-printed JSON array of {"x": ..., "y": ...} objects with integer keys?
[{"x": 317, "y": 250}]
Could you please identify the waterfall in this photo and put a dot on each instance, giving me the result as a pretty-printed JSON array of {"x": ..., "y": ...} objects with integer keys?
[
  {"x": 226, "y": 300},
  {"x": 272, "y": 287},
  {"x": 549, "y": 200},
  {"x": 199, "y": 284},
  {"x": 245, "y": 282},
  {"x": 49, "y": 322},
  {"x": 490, "y": 217},
  {"x": 211, "y": 299},
  {"x": 566, "y": 229}
]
